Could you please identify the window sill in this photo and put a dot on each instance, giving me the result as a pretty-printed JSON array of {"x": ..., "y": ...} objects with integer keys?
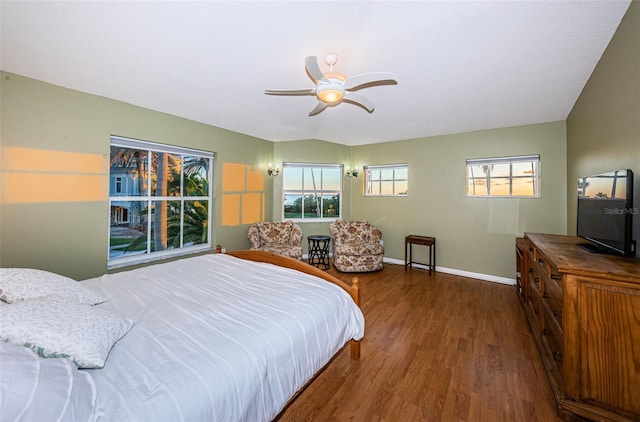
[
  {"x": 503, "y": 196},
  {"x": 313, "y": 220},
  {"x": 158, "y": 256}
]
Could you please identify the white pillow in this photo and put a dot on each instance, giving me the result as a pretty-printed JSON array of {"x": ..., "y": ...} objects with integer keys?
[
  {"x": 36, "y": 389},
  {"x": 26, "y": 283},
  {"x": 56, "y": 328}
]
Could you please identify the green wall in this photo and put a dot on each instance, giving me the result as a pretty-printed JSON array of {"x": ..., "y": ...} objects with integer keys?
[
  {"x": 61, "y": 127},
  {"x": 69, "y": 236},
  {"x": 603, "y": 129},
  {"x": 473, "y": 234}
]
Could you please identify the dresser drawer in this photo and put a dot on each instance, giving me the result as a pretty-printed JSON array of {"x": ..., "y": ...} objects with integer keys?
[
  {"x": 532, "y": 255},
  {"x": 552, "y": 299},
  {"x": 553, "y": 342},
  {"x": 555, "y": 276},
  {"x": 534, "y": 302},
  {"x": 550, "y": 270},
  {"x": 547, "y": 268},
  {"x": 535, "y": 278},
  {"x": 539, "y": 261}
]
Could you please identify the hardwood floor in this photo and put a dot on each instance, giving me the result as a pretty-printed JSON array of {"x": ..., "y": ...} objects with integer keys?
[{"x": 436, "y": 348}]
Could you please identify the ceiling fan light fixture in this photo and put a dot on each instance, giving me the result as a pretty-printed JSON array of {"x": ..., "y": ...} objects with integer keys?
[
  {"x": 330, "y": 93},
  {"x": 331, "y": 87},
  {"x": 330, "y": 96}
]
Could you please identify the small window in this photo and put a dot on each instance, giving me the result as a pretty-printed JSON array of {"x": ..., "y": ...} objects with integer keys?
[
  {"x": 118, "y": 185},
  {"x": 504, "y": 177},
  {"x": 386, "y": 180},
  {"x": 311, "y": 191},
  {"x": 160, "y": 201}
]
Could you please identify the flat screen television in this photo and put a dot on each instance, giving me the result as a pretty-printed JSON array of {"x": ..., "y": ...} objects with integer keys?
[{"x": 605, "y": 212}]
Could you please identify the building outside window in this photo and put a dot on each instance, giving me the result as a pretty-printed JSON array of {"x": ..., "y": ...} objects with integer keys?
[
  {"x": 386, "y": 180},
  {"x": 311, "y": 191},
  {"x": 159, "y": 199},
  {"x": 504, "y": 177}
]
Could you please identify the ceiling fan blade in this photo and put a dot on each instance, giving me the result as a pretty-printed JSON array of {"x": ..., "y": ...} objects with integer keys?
[
  {"x": 359, "y": 100},
  {"x": 313, "y": 69},
  {"x": 321, "y": 106},
  {"x": 310, "y": 91},
  {"x": 369, "y": 79}
]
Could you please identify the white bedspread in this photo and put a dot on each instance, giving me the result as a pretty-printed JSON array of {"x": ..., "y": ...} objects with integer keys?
[{"x": 217, "y": 339}]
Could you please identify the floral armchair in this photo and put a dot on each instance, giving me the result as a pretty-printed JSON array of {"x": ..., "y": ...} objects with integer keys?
[
  {"x": 356, "y": 246},
  {"x": 281, "y": 237}
]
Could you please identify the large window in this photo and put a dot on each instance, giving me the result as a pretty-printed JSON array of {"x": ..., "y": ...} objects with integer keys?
[
  {"x": 387, "y": 180},
  {"x": 504, "y": 176},
  {"x": 159, "y": 200},
  {"x": 311, "y": 191}
]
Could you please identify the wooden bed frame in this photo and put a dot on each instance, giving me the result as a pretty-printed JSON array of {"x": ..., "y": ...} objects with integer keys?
[{"x": 294, "y": 264}]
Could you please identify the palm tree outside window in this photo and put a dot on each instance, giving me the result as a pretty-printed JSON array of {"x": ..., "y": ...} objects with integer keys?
[{"x": 159, "y": 200}]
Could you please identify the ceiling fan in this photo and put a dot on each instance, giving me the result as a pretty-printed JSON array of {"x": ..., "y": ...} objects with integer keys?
[{"x": 332, "y": 88}]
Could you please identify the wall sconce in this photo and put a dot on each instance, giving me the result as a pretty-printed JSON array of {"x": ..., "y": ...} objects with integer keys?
[
  {"x": 351, "y": 173},
  {"x": 273, "y": 171}
]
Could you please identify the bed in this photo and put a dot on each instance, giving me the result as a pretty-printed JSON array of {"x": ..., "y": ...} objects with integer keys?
[{"x": 218, "y": 337}]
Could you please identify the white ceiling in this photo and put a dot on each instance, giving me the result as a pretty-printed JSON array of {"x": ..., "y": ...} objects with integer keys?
[{"x": 460, "y": 65}]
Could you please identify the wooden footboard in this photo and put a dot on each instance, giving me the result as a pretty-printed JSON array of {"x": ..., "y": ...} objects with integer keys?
[{"x": 294, "y": 264}]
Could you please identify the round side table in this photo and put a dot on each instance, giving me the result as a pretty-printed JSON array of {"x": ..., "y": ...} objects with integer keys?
[{"x": 319, "y": 251}]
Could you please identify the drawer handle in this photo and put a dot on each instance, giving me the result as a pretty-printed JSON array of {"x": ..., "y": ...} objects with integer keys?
[
  {"x": 557, "y": 314},
  {"x": 557, "y": 356},
  {"x": 547, "y": 332},
  {"x": 536, "y": 311},
  {"x": 537, "y": 279},
  {"x": 546, "y": 295},
  {"x": 556, "y": 277}
]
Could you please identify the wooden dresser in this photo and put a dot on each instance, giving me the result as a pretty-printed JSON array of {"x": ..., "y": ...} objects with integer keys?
[{"x": 584, "y": 312}]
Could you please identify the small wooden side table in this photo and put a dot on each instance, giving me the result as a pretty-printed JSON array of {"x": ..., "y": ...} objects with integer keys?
[
  {"x": 319, "y": 251},
  {"x": 413, "y": 239}
]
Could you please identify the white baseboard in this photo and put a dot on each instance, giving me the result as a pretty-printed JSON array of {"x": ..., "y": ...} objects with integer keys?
[
  {"x": 453, "y": 271},
  {"x": 461, "y": 273}
]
